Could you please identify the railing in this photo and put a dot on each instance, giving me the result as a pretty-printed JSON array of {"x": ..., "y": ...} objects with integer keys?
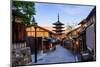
[{"x": 18, "y": 45}]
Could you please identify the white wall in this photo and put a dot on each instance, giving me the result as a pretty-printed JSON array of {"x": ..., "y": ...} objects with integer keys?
[{"x": 90, "y": 37}]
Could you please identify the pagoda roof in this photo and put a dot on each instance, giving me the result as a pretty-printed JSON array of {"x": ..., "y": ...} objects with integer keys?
[
  {"x": 58, "y": 30},
  {"x": 58, "y": 22},
  {"x": 58, "y": 27}
]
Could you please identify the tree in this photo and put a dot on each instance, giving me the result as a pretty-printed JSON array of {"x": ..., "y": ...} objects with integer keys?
[
  {"x": 24, "y": 9},
  {"x": 69, "y": 27}
]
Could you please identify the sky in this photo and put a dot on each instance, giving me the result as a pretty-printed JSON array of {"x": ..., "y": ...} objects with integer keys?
[{"x": 46, "y": 13}]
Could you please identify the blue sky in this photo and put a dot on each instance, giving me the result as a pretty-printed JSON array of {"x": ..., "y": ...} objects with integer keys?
[{"x": 46, "y": 13}]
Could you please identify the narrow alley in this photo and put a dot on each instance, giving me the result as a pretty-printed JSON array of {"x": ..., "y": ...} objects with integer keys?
[{"x": 59, "y": 55}]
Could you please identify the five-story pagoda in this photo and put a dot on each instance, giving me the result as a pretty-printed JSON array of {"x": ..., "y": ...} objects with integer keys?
[{"x": 58, "y": 27}]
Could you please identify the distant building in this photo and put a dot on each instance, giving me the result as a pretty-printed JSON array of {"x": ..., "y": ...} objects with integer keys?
[
  {"x": 58, "y": 27},
  {"x": 72, "y": 36},
  {"x": 74, "y": 32}
]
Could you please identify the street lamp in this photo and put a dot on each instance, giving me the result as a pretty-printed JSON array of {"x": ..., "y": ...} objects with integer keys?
[{"x": 35, "y": 28}]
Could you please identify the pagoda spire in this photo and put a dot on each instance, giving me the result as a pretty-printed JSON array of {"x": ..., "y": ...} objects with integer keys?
[{"x": 58, "y": 16}]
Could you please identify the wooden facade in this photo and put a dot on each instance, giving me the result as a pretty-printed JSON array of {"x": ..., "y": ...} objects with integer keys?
[
  {"x": 40, "y": 31},
  {"x": 72, "y": 36},
  {"x": 91, "y": 29},
  {"x": 18, "y": 32},
  {"x": 88, "y": 33},
  {"x": 21, "y": 54},
  {"x": 74, "y": 32}
]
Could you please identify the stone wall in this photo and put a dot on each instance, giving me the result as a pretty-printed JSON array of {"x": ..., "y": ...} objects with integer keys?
[{"x": 21, "y": 56}]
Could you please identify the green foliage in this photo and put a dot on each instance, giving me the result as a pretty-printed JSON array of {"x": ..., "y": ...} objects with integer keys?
[{"x": 26, "y": 9}]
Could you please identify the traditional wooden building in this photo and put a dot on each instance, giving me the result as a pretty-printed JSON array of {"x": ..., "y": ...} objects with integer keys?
[
  {"x": 40, "y": 31},
  {"x": 82, "y": 36},
  {"x": 74, "y": 32},
  {"x": 88, "y": 33},
  {"x": 21, "y": 55},
  {"x": 72, "y": 36},
  {"x": 18, "y": 30},
  {"x": 41, "y": 35}
]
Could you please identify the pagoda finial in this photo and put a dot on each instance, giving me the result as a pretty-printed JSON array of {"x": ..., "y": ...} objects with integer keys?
[{"x": 58, "y": 16}]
